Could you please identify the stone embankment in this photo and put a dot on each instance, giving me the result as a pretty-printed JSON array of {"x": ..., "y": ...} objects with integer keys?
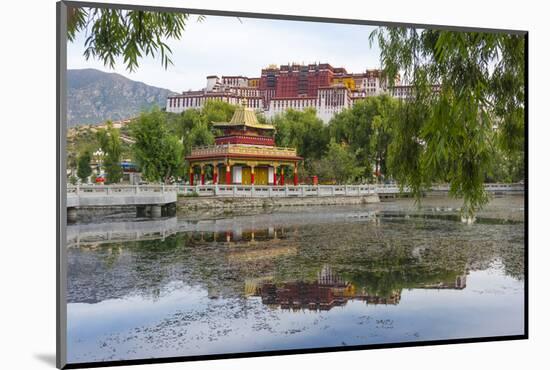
[{"x": 190, "y": 203}]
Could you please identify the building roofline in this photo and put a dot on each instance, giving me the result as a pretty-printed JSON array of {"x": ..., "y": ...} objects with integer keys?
[{"x": 244, "y": 156}]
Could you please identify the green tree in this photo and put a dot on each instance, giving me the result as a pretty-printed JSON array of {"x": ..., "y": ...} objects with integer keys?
[
  {"x": 339, "y": 164},
  {"x": 217, "y": 111},
  {"x": 194, "y": 126},
  {"x": 111, "y": 145},
  {"x": 158, "y": 152},
  {"x": 126, "y": 34},
  {"x": 406, "y": 147},
  {"x": 382, "y": 124},
  {"x": 505, "y": 167},
  {"x": 366, "y": 128},
  {"x": 446, "y": 134},
  {"x": 180, "y": 124},
  {"x": 84, "y": 169},
  {"x": 303, "y": 131}
]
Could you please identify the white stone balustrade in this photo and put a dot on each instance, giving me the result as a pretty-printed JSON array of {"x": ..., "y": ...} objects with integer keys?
[
  {"x": 113, "y": 195},
  {"x": 120, "y": 195}
]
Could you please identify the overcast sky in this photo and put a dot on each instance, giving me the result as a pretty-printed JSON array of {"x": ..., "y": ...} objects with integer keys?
[{"x": 227, "y": 46}]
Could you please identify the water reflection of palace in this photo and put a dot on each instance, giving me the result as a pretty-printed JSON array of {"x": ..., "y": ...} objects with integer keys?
[
  {"x": 277, "y": 262},
  {"x": 330, "y": 290}
]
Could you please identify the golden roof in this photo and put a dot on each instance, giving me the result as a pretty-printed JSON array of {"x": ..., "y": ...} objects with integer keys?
[{"x": 244, "y": 116}]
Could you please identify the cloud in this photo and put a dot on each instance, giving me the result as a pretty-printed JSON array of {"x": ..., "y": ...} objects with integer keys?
[{"x": 229, "y": 46}]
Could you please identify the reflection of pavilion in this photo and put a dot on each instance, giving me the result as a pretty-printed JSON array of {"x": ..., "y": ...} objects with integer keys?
[
  {"x": 249, "y": 245},
  {"x": 238, "y": 236},
  {"x": 326, "y": 277}
]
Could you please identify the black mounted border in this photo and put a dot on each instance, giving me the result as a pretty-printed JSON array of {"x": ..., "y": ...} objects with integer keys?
[{"x": 61, "y": 110}]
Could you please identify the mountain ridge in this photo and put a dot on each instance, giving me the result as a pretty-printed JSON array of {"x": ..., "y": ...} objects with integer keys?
[{"x": 94, "y": 96}]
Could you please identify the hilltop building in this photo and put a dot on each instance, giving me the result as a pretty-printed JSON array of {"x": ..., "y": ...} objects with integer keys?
[
  {"x": 327, "y": 89},
  {"x": 245, "y": 154}
]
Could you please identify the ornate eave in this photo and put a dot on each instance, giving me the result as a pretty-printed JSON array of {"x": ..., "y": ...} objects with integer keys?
[{"x": 222, "y": 152}]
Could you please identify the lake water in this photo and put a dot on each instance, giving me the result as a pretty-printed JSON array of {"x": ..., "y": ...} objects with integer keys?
[{"x": 294, "y": 278}]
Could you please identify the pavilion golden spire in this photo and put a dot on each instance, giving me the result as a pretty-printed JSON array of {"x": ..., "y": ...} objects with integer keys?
[{"x": 244, "y": 116}]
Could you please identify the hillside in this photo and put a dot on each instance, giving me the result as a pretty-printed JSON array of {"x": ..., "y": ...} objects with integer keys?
[{"x": 95, "y": 96}]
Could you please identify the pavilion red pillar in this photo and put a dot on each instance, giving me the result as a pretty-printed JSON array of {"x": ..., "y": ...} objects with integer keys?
[
  {"x": 252, "y": 175},
  {"x": 228, "y": 174},
  {"x": 295, "y": 174},
  {"x": 274, "y": 176},
  {"x": 202, "y": 175},
  {"x": 282, "y": 179},
  {"x": 191, "y": 175},
  {"x": 215, "y": 175}
]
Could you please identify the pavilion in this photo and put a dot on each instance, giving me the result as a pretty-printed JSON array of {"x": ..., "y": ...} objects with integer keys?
[{"x": 244, "y": 154}]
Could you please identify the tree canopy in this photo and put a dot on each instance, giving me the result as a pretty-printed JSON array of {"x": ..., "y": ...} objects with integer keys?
[
  {"x": 84, "y": 169},
  {"x": 467, "y": 102},
  {"x": 158, "y": 152},
  {"x": 301, "y": 130},
  {"x": 359, "y": 135},
  {"x": 366, "y": 127},
  {"x": 338, "y": 164},
  {"x": 129, "y": 34},
  {"x": 110, "y": 144}
]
